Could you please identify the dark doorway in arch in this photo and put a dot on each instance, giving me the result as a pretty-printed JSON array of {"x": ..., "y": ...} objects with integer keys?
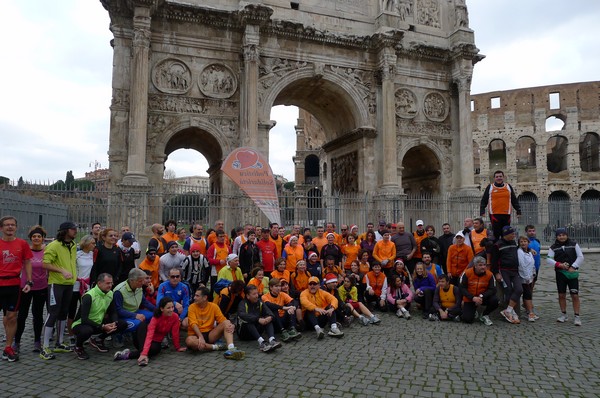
[
  {"x": 559, "y": 209},
  {"x": 476, "y": 159},
  {"x": 497, "y": 155},
  {"x": 311, "y": 170},
  {"x": 556, "y": 150},
  {"x": 589, "y": 152},
  {"x": 529, "y": 207},
  {"x": 315, "y": 206},
  {"x": 590, "y": 206},
  {"x": 421, "y": 171}
]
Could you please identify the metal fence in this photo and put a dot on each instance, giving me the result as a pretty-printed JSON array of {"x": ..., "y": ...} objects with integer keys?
[{"x": 47, "y": 205}]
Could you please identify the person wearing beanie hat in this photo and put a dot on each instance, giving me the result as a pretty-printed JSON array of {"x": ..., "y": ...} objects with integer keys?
[
  {"x": 195, "y": 269},
  {"x": 566, "y": 257},
  {"x": 330, "y": 285},
  {"x": 173, "y": 258},
  {"x": 60, "y": 257},
  {"x": 313, "y": 266},
  {"x": 505, "y": 266},
  {"x": 318, "y": 308},
  {"x": 231, "y": 271}
]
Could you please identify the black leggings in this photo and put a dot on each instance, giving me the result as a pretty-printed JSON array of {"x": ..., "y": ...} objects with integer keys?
[
  {"x": 84, "y": 332},
  {"x": 251, "y": 331},
  {"x": 139, "y": 338},
  {"x": 75, "y": 300},
  {"x": 426, "y": 300},
  {"x": 59, "y": 300},
  {"x": 469, "y": 308},
  {"x": 38, "y": 297}
]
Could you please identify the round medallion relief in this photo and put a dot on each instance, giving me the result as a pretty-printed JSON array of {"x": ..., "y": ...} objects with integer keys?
[
  {"x": 217, "y": 81},
  {"x": 172, "y": 76},
  {"x": 435, "y": 107},
  {"x": 406, "y": 103}
]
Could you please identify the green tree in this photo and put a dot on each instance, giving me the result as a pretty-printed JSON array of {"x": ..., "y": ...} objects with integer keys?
[
  {"x": 70, "y": 180},
  {"x": 289, "y": 186},
  {"x": 84, "y": 185}
]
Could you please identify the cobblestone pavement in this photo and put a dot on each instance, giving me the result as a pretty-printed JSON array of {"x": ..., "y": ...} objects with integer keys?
[{"x": 397, "y": 358}]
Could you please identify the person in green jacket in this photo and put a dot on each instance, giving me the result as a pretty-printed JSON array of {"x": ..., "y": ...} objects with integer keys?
[{"x": 97, "y": 315}]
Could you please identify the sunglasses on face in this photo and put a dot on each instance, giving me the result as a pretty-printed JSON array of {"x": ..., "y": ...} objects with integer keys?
[
  {"x": 175, "y": 276},
  {"x": 312, "y": 283}
]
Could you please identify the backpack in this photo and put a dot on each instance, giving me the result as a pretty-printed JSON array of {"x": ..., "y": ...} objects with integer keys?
[{"x": 221, "y": 284}]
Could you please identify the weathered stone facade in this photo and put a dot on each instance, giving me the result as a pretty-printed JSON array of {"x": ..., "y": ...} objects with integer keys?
[
  {"x": 545, "y": 160},
  {"x": 383, "y": 78}
]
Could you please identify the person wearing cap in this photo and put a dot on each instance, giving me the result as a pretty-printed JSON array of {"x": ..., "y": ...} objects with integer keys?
[
  {"x": 318, "y": 308},
  {"x": 419, "y": 235},
  {"x": 299, "y": 279},
  {"x": 195, "y": 269},
  {"x": 128, "y": 255},
  {"x": 135, "y": 244},
  {"x": 178, "y": 292},
  {"x": 256, "y": 318},
  {"x": 151, "y": 263},
  {"x": 459, "y": 257},
  {"x": 331, "y": 249},
  {"x": 231, "y": 271},
  {"x": 60, "y": 259},
  {"x": 173, "y": 258},
  {"x": 505, "y": 266},
  {"x": 566, "y": 257},
  {"x": 330, "y": 285},
  {"x": 16, "y": 257},
  {"x": 293, "y": 252},
  {"x": 284, "y": 310},
  {"x": 500, "y": 199},
  {"x": 313, "y": 266},
  {"x": 406, "y": 246}
]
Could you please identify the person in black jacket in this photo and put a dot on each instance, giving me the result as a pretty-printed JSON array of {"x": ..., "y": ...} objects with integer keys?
[
  {"x": 249, "y": 255},
  {"x": 254, "y": 319},
  {"x": 505, "y": 265}
]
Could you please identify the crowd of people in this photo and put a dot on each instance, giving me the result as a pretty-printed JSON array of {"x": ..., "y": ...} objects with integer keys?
[{"x": 265, "y": 285}]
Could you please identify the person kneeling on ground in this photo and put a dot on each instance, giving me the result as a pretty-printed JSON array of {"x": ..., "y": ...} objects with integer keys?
[
  {"x": 255, "y": 318},
  {"x": 478, "y": 288},
  {"x": 319, "y": 308},
  {"x": 348, "y": 294},
  {"x": 284, "y": 311},
  {"x": 97, "y": 315},
  {"x": 203, "y": 335},
  {"x": 446, "y": 301}
]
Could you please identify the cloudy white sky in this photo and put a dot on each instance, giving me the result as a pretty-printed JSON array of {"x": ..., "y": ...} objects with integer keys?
[{"x": 56, "y": 73}]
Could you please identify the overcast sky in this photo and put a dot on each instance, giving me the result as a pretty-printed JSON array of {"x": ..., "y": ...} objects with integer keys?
[{"x": 56, "y": 86}]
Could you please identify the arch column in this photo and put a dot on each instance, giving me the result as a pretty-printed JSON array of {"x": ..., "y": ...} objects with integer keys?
[
  {"x": 138, "y": 106},
  {"x": 465, "y": 134}
]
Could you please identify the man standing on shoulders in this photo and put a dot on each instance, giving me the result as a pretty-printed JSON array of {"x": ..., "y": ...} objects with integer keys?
[
  {"x": 16, "y": 256},
  {"x": 97, "y": 315},
  {"x": 60, "y": 260},
  {"x": 499, "y": 198}
]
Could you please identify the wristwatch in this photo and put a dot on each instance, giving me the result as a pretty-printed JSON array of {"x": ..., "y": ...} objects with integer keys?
[{"x": 30, "y": 283}]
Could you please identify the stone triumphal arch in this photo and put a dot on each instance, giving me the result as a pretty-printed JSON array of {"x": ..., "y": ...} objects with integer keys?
[{"x": 387, "y": 80}]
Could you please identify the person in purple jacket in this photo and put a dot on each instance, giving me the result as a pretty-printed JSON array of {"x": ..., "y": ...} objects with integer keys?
[{"x": 424, "y": 284}]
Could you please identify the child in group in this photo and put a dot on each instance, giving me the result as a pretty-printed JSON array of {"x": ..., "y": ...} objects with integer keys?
[
  {"x": 348, "y": 293},
  {"x": 399, "y": 296}
]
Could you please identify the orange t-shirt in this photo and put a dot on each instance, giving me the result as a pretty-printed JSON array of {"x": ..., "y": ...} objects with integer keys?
[
  {"x": 281, "y": 275},
  {"x": 283, "y": 299},
  {"x": 351, "y": 253},
  {"x": 204, "y": 318}
]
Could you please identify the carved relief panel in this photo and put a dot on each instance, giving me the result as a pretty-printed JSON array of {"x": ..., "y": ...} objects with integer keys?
[
  {"x": 217, "y": 81},
  {"x": 435, "y": 107},
  {"x": 344, "y": 174},
  {"x": 428, "y": 13},
  {"x": 406, "y": 103},
  {"x": 172, "y": 76}
]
